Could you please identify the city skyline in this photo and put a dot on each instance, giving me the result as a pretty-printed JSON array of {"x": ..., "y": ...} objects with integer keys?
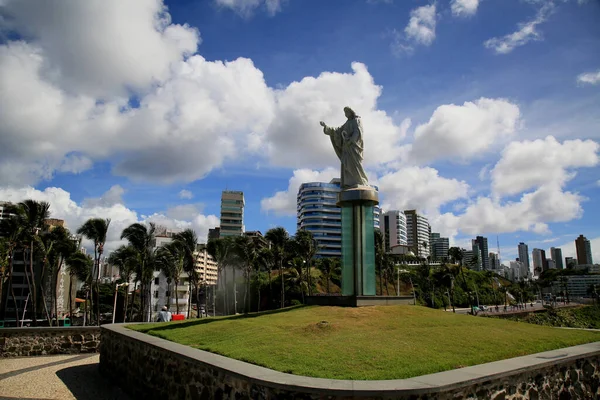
[{"x": 501, "y": 141}]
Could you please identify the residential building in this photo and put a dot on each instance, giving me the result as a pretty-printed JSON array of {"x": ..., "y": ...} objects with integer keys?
[
  {"x": 393, "y": 225},
  {"x": 482, "y": 242},
  {"x": 517, "y": 271},
  {"x": 524, "y": 255},
  {"x": 476, "y": 260},
  {"x": 584, "y": 250},
  {"x": 318, "y": 213},
  {"x": 206, "y": 266},
  {"x": 577, "y": 285},
  {"x": 551, "y": 264},
  {"x": 214, "y": 233},
  {"x": 540, "y": 263},
  {"x": 258, "y": 238},
  {"x": 439, "y": 247},
  {"x": 417, "y": 233},
  {"x": 232, "y": 213},
  {"x": 570, "y": 262},
  {"x": 556, "y": 255}
]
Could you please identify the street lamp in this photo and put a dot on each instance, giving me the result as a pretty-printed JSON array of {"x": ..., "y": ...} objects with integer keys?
[{"x": 117, "y": 286}]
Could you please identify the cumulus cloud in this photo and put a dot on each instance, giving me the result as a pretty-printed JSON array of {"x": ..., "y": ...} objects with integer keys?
[
  {"x": 528, "y": 164},
  {"x": 464, "y": 8},
  {"x": 183, "y": 212},
  {"x": 589, "y": 78},
  {"x": 112, "y": 197},
  {"x": 185, "y": 194},
  {"x": 294, "y": 138},
  {"x": 527, "y": 32},
  {"x": 419, "y": 188},
  {"x": 102, "y": 47},
  {"x": 63, "y": 207},
  {"x": 420, "y": 30},
  {"x": 283, "y": 203},
  {"x": 245, "y": 8},
  {"x": 464, "y": 131}
]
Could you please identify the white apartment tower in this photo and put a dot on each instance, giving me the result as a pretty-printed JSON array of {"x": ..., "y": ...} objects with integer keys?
[
  {"x": 393, "y": 225},
  {"x": 417, "y": 229},
  {"x": 232, "y": 213}
]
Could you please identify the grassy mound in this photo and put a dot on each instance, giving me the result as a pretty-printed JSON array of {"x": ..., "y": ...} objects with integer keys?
[{"x": 390, "y": 342}]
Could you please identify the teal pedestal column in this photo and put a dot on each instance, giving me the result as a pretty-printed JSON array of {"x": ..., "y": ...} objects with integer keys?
[{"x": 358, "y": 241}]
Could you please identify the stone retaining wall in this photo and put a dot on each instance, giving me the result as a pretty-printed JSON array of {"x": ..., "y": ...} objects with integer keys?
[
  {"x": 152, "y": 368},
  {"x": 39, "y": 341}
]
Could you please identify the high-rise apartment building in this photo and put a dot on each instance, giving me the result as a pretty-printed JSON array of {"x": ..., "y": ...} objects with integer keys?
[
  {"x": 584, "y": 250},
  {"x": 476, "y": 258},
  {"x": 539, "y": 261},
  {"x": 494, "y": 261},
  {"x": 417, "y": 233},
  {"x": 556, "y": 255},
  {"x": 439, "y": 246},
  {"x": 393, "y": 225},
  {"x": 319, "y": 214},
  {"x": 205, "y": 266},
  {"x": 232, "y": 213},
  {"x": 570, "y": 262},
  {"x": 524, "y": 255},
  {"x": 482, "y": 242}
]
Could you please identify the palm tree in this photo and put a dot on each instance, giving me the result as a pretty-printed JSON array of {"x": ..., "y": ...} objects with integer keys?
[
  {"x": 220, "y": 250},
  {"x": 124, "y": 258},
  {"x": 296, "y": 279},
  {"x": 380, "y": 256},
  {"x": 456, "y": 255},
  {"x": 247, "y": 254},
  {"x": 169, "y": 258},
  {"x": 307, "y": 247},
  {"x": 33, "y": 218},
  {"x": 266, "y": 258},
  {"x": 64, "y": 247},
  {"x": 12, "y": 231},
  {"x": 80, "y": 267},
  {"x": 188, "y": 243},
  {"x": 142, "y": 240},
  {"x": 326, "y": 266},
  {"x": 279, "y": 239},
  {"x": 95, "y": 229}
]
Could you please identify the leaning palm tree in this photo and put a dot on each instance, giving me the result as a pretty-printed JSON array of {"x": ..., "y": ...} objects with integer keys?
[
  {"x": 95, "y": 229},
  {"x": 142, "y": 239},
  {"x": 279, "y": 238},
  {"x": 307, "y": 248},
  {"x": 33, "y": 218},
  {"x": 80, "y": 267},
  {"x": 169, "y": 259}
]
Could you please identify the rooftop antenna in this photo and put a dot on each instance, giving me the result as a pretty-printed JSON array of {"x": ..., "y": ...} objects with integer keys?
[{"x": 498, "y": 244}]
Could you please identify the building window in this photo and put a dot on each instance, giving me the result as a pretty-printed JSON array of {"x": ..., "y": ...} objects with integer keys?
[
  {"x": 156, "y": 280},
  {"x": 168, "y": 293},
  {"x": 156, "y": 294}
]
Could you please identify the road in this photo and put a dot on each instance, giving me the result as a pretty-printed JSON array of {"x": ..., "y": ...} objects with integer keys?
[{"x": 510, "y": 310}]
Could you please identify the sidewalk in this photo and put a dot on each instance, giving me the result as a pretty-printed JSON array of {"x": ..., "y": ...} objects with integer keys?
[{"x": 56, "y": 377}]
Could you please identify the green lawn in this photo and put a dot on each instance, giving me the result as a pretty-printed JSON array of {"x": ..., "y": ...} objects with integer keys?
[{"x": 366, "y": 343}]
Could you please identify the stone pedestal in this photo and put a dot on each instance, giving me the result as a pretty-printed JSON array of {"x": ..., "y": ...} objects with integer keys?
[{"x": 358, "y": 240}]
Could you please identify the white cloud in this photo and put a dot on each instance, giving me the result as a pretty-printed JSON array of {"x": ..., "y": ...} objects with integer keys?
[
  {"x": 464, "y": 8},
  {"x": 183, "y": 212},
  {"x": 528, "y": 164},
  {"x": 295, "y": 139},
  {"x": 112, "y": 197},
  {"x": 245, "y": 8},
  {"x": 419, "y": 188},
  {"x": 102, "y": 47},
  {"x": 526, "y": 33},
  {"x": 461, "y": 132},
  {"x": 283, "y": 203},
  {"x": 589, "y": 78},
  {"x": 63, "y": 207},
  {"x": 421, "y": 26},
  {"x": 185, "y": 194},
  {"x": 75, "y": 164}
]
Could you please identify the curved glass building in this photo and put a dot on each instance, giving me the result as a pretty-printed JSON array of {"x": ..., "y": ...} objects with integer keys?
[{"x": 318, "y": 214}]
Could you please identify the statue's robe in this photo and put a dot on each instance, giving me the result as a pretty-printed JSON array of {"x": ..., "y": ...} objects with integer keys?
[{"x": 347, "y": 142}]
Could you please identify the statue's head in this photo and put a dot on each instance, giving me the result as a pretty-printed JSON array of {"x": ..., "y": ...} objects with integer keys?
[{"x": 349, "y": 113}]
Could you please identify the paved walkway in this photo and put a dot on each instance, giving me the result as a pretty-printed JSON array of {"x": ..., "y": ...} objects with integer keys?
[{"x": 56, "y": 377}]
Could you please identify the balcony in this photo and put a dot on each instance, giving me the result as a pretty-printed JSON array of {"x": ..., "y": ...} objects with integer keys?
[{"x": 180, "y": 301}]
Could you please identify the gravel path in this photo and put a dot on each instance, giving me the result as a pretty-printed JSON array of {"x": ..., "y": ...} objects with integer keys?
[{"x": 56, "y": 377}]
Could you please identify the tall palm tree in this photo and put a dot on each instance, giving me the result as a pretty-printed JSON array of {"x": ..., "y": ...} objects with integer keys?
[
  {"x": 125, "y": 259},
  {"x": 266, "y": 258},
  {"x": 12, "y": 231},
  {"x": 95, "y": 229},
  {"x": 33, "y": 218},
  {"x": 187, "y": 241},
  {"x": 247, "y": 254},
  {"x": 307, "y": 247},
  {"x": 80, "y": 267},
  {"x": 64, "y": 247},
  {"x": 142, "y": 240},
  {"x": 326, "y": 266},
  {"x": 220, "y": 250},
  {"x": 279, "y": 239}
]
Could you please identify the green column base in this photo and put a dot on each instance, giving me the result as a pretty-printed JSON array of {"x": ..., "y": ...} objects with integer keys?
[{"x": 358, "y": 249}]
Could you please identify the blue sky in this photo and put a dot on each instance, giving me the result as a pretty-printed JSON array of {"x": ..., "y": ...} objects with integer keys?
[{"x": 482, "y": 114}]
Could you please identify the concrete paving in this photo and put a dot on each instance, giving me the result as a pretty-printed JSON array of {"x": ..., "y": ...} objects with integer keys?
[{"x": 56, "y": 377}]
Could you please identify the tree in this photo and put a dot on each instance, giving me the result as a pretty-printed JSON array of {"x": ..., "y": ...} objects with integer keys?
[
  {"x": 380, "y": 256},
  {"x": 267, "y": 259},
  {"x": 247, "y": 254},
  {"x": 279, "y": 239},
  {"x": 124, "y": 258},
  {"x": 33, "y": 218},
  {"x": 326, "y": 266},
  {"x": 307, "y": 247},
  {"x": 12, "y": 232},
  {"x": 169, "y": 259},
  {"x": 188, "y": 243},
  {"x": 220, "y": 250},
  {"x": 456, "y": 255},
  {"x": 95, "y": 229},
  {"x": 142, "y": 239},
  {"x": 80, "y": 267}
]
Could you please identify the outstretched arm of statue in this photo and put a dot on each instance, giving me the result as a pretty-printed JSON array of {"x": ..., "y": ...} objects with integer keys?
[{"x": 328, "y": 130}]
